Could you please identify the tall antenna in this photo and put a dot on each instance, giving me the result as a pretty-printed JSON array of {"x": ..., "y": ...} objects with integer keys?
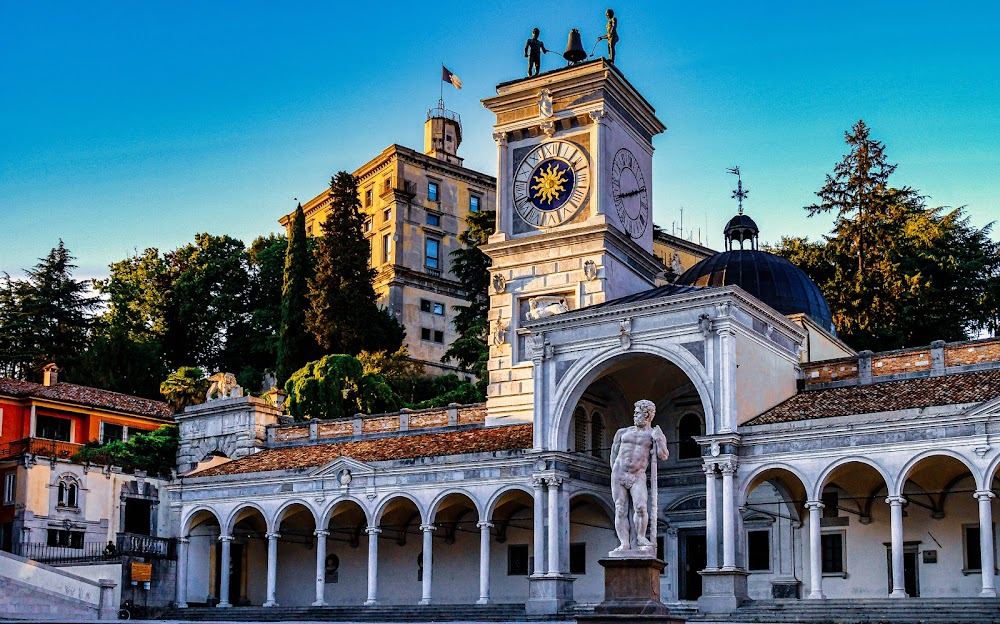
[{"x": 740, "y": 193}]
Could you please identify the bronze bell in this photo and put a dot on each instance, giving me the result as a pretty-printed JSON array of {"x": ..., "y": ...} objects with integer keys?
[{"x": 574, "y": 48}]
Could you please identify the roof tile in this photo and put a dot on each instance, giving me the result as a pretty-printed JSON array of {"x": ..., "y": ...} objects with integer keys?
[{"x": 87, "y": 396}]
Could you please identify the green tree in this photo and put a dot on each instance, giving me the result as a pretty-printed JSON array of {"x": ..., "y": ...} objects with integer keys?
[
  {"x": 185, "y": 386},
  {"x": 343, "y": 314},
  {"x": 155, "y": 452},
  {"x": 336, "y": 386},
  {"x": 895, "y": 272},
  {"x": 472, "y": 268},
  {"x": 296, "y": 345},
  {"x": 46, "y": 317}
]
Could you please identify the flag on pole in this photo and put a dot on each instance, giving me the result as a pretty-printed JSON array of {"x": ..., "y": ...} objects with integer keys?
[{"x": 448, "y": 76}]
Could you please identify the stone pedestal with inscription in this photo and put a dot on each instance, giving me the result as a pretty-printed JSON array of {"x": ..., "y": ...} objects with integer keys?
[{"x": 631, "y": 592}]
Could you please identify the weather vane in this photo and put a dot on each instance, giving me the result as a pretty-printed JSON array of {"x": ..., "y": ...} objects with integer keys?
[{"x": 740, "y": 193}]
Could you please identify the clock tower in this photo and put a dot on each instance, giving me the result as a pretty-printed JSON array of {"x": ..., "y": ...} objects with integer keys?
[{"x": 574, "y": 211}]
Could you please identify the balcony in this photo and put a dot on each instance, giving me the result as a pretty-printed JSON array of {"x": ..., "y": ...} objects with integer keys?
[
  {"x": 135, "y": 545},
  {"x": 38, "y": 446}
]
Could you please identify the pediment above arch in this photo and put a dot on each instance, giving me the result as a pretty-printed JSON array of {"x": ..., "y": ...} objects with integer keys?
[
  {"x": 985, "y": 409},
  {"x": 337, "y": 466}
]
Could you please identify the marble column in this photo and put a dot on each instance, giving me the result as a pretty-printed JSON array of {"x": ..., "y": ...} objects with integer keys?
[
  {"x": 272, "y": 569},
  {"x": 553, "y": 484},
  {"x": 182, "y": 564},
  {"x": 321, "y": 536},
  {"x": 503, "y": 191},
  {"x": 428, "y": 529},
  {"x": 815, "y": 550},
  {"x": 484, "y": 561},
  {"x": 224, "y": 565},
  {"x": 728, "y": 517},
  {"x": 372, "y": 532},
  {"x": 711, "y": 519},
  {"x": 538, "y": 524},
  {"x": 986, "y": 543},
  {"x": 896, "y": 531}
]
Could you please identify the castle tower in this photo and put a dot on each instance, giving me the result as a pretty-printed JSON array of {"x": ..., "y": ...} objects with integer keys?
[
  {"x": 574, "y": 211},
  {"x": 443, "y": 134}
]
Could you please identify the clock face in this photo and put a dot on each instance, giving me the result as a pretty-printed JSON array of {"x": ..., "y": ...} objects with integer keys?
[
  {"x": 551, "y": 183},
  {"x": 628, "y": 188}
]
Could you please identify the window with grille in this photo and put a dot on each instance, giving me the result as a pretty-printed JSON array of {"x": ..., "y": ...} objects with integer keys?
[{"x": 52, "y": 428}]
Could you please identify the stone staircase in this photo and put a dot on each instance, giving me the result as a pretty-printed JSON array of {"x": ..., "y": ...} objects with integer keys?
[
  {"x": 864, "y": 611},
  {"x": 382, "y": 613}
]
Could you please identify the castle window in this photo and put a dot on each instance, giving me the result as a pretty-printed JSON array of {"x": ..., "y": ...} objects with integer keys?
[
  {"x": 368, "y": 198},
  {"x": 68, "y": 493},
  {"x": 432, "y": 191},
  {"x": 386, "y": 248},
  {"x": 597, "y": 435},
  {"x": 432, "y": 253},
  {"x": 473, "y": 203},
  {"x": 580, "y": 430},
  {"x": 52, "y": 428},
  {"x": 689, "y": 427}
]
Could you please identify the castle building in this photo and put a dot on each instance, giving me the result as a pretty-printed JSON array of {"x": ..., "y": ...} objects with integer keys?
[
  {"x": 416, "y": 205},
  {"x": 799, "y": 469}
]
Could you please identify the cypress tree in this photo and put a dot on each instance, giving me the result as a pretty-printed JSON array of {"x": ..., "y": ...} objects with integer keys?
[
  {"x": 342, "y": 300},
  {"x": 295, "y": 345}
]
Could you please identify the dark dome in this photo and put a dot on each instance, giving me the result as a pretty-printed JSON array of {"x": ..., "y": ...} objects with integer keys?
[{"x": 770, "y": 278}]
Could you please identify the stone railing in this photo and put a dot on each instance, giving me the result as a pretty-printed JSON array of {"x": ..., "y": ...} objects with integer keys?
[
  {"x": 134, "y": 544},
  {"x": 361, "y": 425},
  {"x": 938, "y": 359}
]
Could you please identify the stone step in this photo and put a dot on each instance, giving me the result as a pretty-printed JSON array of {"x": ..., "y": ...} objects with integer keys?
[
  {"x": 382, "y": 613},
  {"x": 865, "y": 611}
]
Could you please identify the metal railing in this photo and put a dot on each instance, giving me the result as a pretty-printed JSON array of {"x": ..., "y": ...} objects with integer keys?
[
  {"x": 136, "y": 545},
  {"x": 39, "y": 446},
  {"x": 44, "y": 553}
]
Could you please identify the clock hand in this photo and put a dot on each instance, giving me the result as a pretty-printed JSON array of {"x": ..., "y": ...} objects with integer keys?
[{"x": 635, "y": 192}]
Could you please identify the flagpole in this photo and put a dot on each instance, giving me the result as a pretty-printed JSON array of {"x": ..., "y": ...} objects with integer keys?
[{"x": 441, "y": 85}]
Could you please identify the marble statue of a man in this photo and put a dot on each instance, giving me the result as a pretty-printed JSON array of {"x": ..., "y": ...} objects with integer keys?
[{"x": 630, "y": 456}]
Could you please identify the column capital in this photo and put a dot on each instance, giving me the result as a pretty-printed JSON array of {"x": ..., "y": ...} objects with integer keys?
[
  {"x": 728, "y": 467},
  {"x": 814, "y": 505},
  {"x": 598, "y": 116},
  {"x": 895, "y": 501},
  {"x": 428, "y": 527},
  {"x": 709, "y": 468},
  {"x": 500, "y": 138},
  {"x": 183, "y": 540},
  {"x": 982, "y": 495},
  {"x": 272, "y": 535},
  {"x": 484, "y": 524},
  {"x": 373, "y": 530},
  {"x": 321, "y": 533},
  {"x": 225, "y": 538},
  {"x": 553, "y": 482},
  {"x": 538, "y": 482}
]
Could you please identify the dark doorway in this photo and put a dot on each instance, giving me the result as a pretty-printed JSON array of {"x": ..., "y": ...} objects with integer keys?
[
  {"x": 691, "y": 560},
  {"x": 911, "y": 573},
  {"x": 138, "y": 514},
  {"x": 235, "y": 571}
]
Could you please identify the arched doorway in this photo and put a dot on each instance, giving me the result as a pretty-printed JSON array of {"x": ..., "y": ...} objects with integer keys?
[
  {"x": 346, "y": 561},
  {"x": 512, "y": 552},
  {"x": 296, "y": 553},
  {"x": 196, "y": 559},
  {"x": 247, "y": 577},
  {"x": 455, "y": 548},
  {"x": 400, "y": 551},
  {"x": 772, "y": 510}
]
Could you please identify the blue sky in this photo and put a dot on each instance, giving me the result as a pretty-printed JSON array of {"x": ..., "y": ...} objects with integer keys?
[{"x": 126, "y": 125}]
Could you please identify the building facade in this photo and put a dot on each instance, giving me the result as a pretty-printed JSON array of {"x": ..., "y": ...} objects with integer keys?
[{"x": 798, "y": 468}]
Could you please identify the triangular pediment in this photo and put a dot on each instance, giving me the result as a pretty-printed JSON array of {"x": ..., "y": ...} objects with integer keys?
[
  {"x": 335, "y": 467},
  {"x": 986, "y": 408}
]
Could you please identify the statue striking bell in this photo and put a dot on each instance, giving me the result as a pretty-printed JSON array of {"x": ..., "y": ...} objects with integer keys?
[{"x": 574, "y": 48}]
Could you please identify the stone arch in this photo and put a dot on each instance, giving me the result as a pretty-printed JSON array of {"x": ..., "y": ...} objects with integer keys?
[
  {"x": 820, "y": 483},
  {"x": 992, "y": 473},
  {"x": 583, "y": 373},
  {"x": 760, "y": 474},
  {"x": 491, "y": 505},
  {"x": 233, "y": 517},
  {"x": 275, "y": 521},
  {"x": 433, "y": 508},
  {"x": 602, "y": 502},
  {"x": 192, "y": 514},
  {"x": 907, "y": 469},
  {"x": 327, "y": 514},
  {"x": 380, "y": 510}
]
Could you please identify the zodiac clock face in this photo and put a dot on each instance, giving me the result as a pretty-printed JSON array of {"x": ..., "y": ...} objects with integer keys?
[
  {"x": 628, "y": 188},
  {"x": 551, "y": 183}
]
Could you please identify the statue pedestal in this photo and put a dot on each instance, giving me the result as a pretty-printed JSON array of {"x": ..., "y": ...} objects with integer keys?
[
  {"x": 631, "y": 592},
  {"x": 722, "y": 590}
]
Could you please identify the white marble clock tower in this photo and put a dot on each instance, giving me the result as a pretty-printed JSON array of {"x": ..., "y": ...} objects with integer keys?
[{"x": 574, "y": 211}]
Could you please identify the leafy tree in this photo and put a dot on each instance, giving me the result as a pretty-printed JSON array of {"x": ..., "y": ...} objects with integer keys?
[
  {"x": 155, "y": 452},
  {"x": 445, "y": 389},
  {"x": 296, "y": 345},
  {"x": 343, "y": 314},
  {"x": 185, "y": 386},
  {"x": 895, "y": 272},
  {"x": 46, "y": 317},
  {"x": 472, "y": 268},
  {"x": 337, "y": 386}
]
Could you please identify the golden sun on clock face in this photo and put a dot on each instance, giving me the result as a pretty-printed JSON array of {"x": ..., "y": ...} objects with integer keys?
[{"x": 551, "y": 183}]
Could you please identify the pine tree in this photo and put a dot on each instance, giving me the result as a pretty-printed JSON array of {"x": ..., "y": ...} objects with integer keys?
[
  {"x": 296, "y": 345},
  {"x": 343, "y": 314},
  {"x": 472, "y": 268}
]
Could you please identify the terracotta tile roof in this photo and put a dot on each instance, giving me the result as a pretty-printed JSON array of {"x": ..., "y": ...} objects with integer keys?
[
  {"x": 87, "y": 396},
  {"x": 885, "y": 397},
  {"x": 483, "y": 440}
]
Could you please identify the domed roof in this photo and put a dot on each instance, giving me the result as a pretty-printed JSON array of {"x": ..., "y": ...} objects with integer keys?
[{"x": 770, "y": 278}]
